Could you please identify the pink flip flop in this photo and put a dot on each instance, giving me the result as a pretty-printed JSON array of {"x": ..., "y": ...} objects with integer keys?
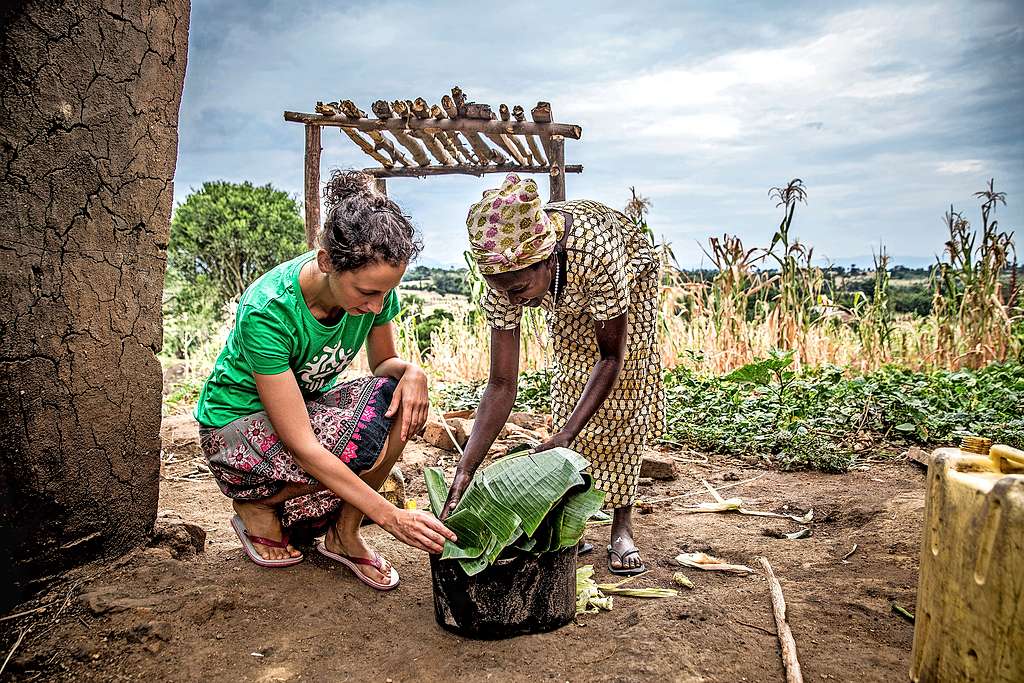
[
  {"x": 248, "y": 539},
  {"x": 351, "y": 563}
]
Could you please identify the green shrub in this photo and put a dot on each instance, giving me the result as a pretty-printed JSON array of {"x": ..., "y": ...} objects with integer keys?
[
  {"x": 821, "y": 419},
  {"x": 223, "y": 237}
]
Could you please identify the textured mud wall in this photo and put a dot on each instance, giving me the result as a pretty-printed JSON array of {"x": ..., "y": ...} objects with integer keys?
[{"x": 89, "y": 96}]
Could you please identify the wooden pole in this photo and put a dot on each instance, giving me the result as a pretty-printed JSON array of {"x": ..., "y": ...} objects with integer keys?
[
  {"x": 505, "y": 143},
  {"x": 365, "y": 145},
  {"x": 461, "y": 169},
  {"x": 383, "y": 110},
  {"x": 542, "y": 114},
  {"x": 557, "y": 159},
  {"x": 526, "y": 154},
  {"x": 421, "y": 110},
  {"x": 788, "y": 643},
  {"x": 484, "y": 154},
  {"x": 538, "y": 157},
  {"x": 349, "y": 109},
  {"x": 461, "y": 154},
  {"x": 495, "y": 127},
  {"x": 311, "y": 183}
]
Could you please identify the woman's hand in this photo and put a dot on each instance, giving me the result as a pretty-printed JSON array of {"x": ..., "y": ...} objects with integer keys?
[
  {"x": 558, "y": 440},
  {"x": 419, "y": 529},
  {"x": 411, "y": 395},
  {"x": 459, "y": 487}
]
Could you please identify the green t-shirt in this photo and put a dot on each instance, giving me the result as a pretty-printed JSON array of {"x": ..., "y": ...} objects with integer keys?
[{"x": 274, "y": 332}]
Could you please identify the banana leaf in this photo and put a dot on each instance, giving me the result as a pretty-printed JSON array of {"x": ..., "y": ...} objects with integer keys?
[{"x": 538, "y": 502}]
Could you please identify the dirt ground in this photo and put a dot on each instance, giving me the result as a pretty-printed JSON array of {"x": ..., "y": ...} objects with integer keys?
[{"x": 215, "y": 616}]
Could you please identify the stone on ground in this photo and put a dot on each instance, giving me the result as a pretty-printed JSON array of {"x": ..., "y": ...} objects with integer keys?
[
  {"x": 658, "y": 466},
  {"x": 435, "y": 435}
]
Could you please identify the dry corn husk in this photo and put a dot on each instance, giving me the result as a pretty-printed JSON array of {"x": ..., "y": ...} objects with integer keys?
[
  {"x": 589, "y": 598},
  {"x": 799, "y": 533},
  {"x": 711, "y": 563},
  {"x": 680, "y": 579},
  {"x": 736, "y": 505},
  {"x": 616, "y": 589}
]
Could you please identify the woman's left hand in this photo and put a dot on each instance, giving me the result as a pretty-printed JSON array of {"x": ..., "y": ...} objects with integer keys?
[
  {"x": 411, "y": 396},
  {"x": 557, "y": 440}
]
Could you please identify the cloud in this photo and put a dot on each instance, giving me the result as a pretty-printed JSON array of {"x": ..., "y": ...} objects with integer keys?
[
  {"x": 888, "y": 111},
  {"x": 972, "y": 166}
]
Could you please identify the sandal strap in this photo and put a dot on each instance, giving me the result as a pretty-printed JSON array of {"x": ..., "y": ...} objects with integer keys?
[
  {"x": 269, "y": 542},
  {"x": 376, "y": 562},
  {"x": 623, "y": 556}
]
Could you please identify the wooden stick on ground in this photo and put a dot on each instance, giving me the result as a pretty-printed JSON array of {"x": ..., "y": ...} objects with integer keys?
[
  {"x": 789, "y": 660},
  {"x": 21, "y": 614},
  {"x": 21, "y": 636},
  {"x": 701, "y": 490}
]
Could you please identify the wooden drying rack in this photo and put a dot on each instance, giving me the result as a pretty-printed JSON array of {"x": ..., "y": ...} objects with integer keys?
[{"x": 455, "y": 138}]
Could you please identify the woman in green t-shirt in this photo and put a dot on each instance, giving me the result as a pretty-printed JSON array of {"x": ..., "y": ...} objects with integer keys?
[{"x": 292, "y": 445}]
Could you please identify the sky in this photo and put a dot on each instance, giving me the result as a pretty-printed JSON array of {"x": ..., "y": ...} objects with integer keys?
[{"x": 889, "y": 111}]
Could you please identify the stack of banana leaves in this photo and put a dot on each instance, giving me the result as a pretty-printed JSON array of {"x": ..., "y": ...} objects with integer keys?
[{"x": 533, "y": 503}]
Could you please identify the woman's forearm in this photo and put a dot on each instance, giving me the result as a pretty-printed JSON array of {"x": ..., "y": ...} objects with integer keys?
[
  {"x": 392, "y": 367},
  {"x": 599, "y": 385},
  {"x": 327, "y": 469},
  {"x": 282, "y": 399},
  {"x": 611, "y": 344},
  {"x": 495, "y": 407}
]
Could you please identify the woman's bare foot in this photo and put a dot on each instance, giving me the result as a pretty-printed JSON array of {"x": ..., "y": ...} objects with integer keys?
[
  {"x": 622, "y": 543},
  {"x": 262, "y": 520},
  {"x": 354, "y": 546}
]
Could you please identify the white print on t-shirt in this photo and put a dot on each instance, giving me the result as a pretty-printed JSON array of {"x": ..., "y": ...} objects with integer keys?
[{"x": 319, "y": 371}]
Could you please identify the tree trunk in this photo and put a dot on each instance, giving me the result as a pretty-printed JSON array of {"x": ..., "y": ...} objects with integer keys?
[{"x": 89, "y": 96}]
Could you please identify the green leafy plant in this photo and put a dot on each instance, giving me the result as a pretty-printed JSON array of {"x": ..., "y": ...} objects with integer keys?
[
  {"x": 532, "y": 503},
  {"x": 772, "y": 373},
  {"x": 823, "y": 419},
  {"x": 533, "y": 393}
]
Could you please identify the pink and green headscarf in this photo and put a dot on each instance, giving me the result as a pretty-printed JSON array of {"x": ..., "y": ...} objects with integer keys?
[{"x": 509, "y": 229}]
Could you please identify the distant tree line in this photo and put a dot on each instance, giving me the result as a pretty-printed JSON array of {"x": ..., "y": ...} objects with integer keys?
[{"x": 441, "y": 280}]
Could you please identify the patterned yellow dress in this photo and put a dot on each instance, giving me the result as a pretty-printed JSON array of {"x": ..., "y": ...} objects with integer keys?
[{"x": 611, "y": 269}]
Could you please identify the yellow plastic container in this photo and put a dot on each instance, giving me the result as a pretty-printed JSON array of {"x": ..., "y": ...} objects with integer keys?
[{"x": 970, "y": 596}]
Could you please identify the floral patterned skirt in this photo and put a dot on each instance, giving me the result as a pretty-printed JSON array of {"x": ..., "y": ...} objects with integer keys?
[{"x": 250, "y": 462}]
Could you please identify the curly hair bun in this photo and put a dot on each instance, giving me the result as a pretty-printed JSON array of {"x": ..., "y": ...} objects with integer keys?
[
  {"x": 363, "y": 225},
  {"x": 344, "y": 185}
]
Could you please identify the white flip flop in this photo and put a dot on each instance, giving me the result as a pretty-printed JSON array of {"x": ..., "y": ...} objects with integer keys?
[
  {"x": 351, "y": 563},
  {"x": 248, "y": 539}
]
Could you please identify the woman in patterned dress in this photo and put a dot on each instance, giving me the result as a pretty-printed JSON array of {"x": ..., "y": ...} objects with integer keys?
[
  {"x": 596, "y": 276},
  {"x": 292, "y": 445}
]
